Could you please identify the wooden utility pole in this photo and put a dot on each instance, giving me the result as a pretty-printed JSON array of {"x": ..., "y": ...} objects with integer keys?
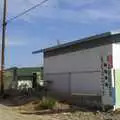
[{"x": 3, "y": 46}]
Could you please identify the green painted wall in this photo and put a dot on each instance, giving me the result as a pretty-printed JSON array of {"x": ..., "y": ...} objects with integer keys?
[
  {"x": 117, "y": 88},
  {"x": 8, "y": 75}
]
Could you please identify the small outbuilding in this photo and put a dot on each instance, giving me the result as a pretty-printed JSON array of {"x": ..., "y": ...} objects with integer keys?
[{"x": 86, "y": 71}]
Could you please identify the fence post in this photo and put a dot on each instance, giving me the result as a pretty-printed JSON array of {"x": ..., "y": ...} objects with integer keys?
[
  {"x": 15, "y": 77},
  {"x": 69, "y": 82},
  {"x": 15, "y": 74},
  {"x": 34, "y": 84}
]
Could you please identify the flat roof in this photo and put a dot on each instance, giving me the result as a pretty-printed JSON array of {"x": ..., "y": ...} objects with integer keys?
[{"x": 86, "y": 39}]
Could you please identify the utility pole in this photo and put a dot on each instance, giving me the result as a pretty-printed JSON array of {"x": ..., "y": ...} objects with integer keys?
[{"x": 3, "y": 46}]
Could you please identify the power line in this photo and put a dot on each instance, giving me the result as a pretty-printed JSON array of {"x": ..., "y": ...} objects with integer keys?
[{"x": 26, "y": 11}]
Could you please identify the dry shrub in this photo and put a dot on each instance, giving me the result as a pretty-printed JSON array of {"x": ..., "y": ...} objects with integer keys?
[{"x": 46, "y": 103}]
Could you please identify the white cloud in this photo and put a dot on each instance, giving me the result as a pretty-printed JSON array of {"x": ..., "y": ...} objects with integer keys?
[
  {"x": 77, "y": 3},
  {"x": 14, "y": 42}
]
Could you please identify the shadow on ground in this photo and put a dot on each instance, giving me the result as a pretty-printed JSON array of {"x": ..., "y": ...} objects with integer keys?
[
  {"x": 54, "y": 111},
  {"x": 14, "y": 99},
  {"x": 47, "y": 112}
]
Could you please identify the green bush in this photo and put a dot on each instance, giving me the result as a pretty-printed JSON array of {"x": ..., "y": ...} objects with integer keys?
[{"x": 46, "y": 103}]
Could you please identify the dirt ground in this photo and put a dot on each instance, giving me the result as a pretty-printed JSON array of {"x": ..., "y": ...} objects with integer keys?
[{"x": 11, "y": 109}]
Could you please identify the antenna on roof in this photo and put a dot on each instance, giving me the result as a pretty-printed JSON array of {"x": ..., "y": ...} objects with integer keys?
[{"x": 58, "y": 42}]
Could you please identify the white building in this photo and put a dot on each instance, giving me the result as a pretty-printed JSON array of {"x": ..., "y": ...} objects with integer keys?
[{"x": 86, "y": 70}]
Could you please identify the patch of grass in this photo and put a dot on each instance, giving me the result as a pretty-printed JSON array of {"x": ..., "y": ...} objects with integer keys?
[{"x": 46, "y": 103}]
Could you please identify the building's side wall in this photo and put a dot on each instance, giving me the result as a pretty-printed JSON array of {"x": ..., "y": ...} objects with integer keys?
[
  {"x": 88, "y": 59},
  {"x": 116, "y": 67},
  {"x": 76, "y": 73},
  {"x": 117, "y": 89},
  {"x": 116, "y": 55}
]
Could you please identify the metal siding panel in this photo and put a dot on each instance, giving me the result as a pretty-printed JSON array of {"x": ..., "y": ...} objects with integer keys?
[
  {"x": 79, "y": 61},
  {"x": 86, "y": 83},
  {"x": 60, "y": 82}
]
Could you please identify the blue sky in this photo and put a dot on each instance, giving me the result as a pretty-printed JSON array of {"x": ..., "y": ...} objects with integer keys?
[{"x": 63, "y": 20}]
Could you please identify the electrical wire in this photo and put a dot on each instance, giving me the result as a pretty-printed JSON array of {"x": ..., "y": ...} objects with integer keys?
[{"x": 26, "y": 11}]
